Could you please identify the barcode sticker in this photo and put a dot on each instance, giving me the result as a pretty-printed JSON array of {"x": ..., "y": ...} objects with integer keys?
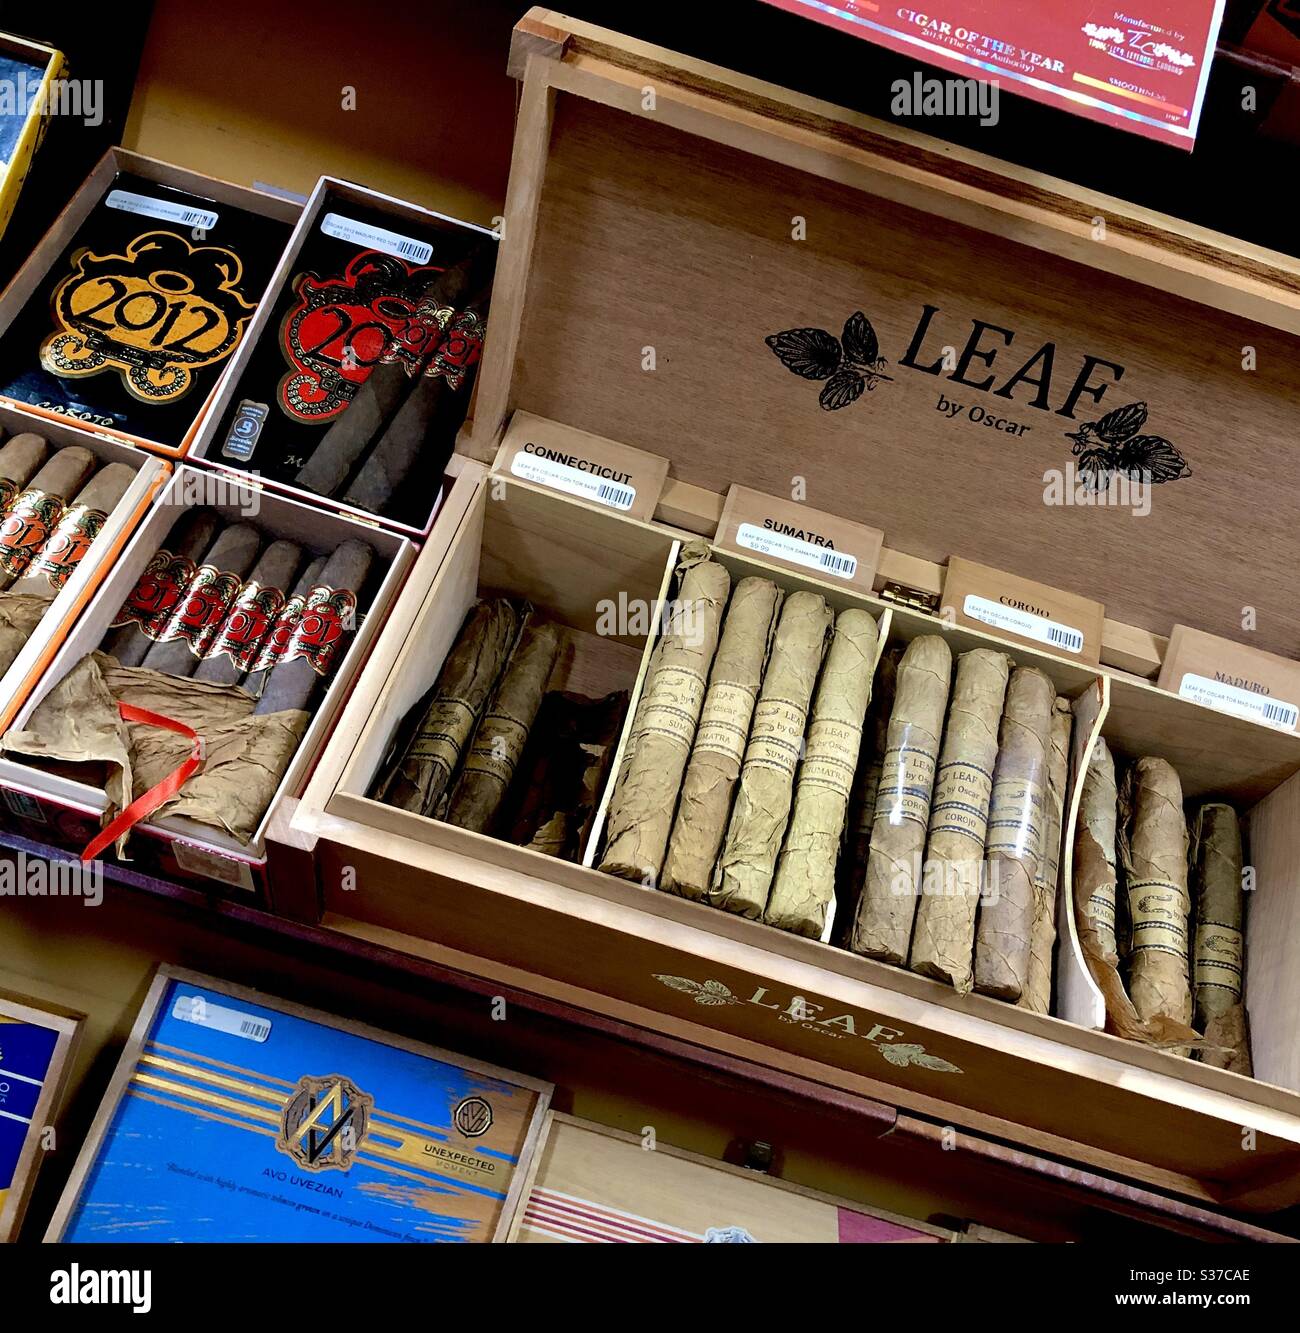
[
  {"x": 1024, "y": 623},
  {"x": 825, "y": 559},
  {"x": 203, "y": 1013},
  {"x": 376, "y": 238},
  {"x": 166, "y": 210},
  {"x": 573, "y": 481},
  {"x": 1241, "y": 703}
]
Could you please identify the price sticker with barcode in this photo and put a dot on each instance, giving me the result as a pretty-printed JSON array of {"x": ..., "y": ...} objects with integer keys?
[
  {"x": 824, "y": 559},
  {"x": 1025, "y": 623},
  {"x": 1233, "y": 699},
  {"x": 202, "y": 1012},
  {"x": 165, "y": 210},
  {"x": 573, "y": 481},
  {"x": 376, "y": 238}
]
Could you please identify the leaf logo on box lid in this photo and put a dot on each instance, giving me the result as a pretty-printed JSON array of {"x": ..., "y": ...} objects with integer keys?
[{"x": 849, "y": 364}]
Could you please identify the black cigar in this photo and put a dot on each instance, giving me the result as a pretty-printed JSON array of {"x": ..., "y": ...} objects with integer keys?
[
  {"x": 317, "y": 643},
  {"x": 275, "y": 643},
  {"x": 193, "y": 625},
  {"x": 159, "y": 589},
  {"x": 251, "y": 615}
]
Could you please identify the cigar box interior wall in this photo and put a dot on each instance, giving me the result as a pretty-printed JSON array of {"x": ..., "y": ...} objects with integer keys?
[{"x": 670, "y": 229}]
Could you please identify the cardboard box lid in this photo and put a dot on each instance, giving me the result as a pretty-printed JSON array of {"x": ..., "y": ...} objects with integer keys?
[{"x": 774, "y": 292}]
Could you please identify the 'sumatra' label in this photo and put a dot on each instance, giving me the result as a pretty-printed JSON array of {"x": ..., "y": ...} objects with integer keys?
[
  {"x": 563, "y": 477},
  {"x": 165, "y": 210},
  {"x": 377, "y": 238},
  {"x": 203, "y": 1013},
  {"x": 1024, "y": 623},
  {"x": 823, "y": 558},
  {"x": 1241, "y": 703}
]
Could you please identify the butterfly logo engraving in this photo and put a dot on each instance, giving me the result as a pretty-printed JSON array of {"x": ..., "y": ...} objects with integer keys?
[
  {"x": 1112, "y": 447},
  {"x": 849, "y": 364}
]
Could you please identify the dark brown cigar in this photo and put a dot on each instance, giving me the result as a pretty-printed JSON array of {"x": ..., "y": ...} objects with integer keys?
[
  {"x": 77, "y": 527},
  {"x": 19, "y": 460},
  {"x": 378, "y": 398},
  {"x": 193, "y": 625},
  {"x": 317, "y": 643},
  {"x": 420, "y": 422},
  {"x": 249, "y": 621},
  {"x": 273, "y": 646},
  {"x": 159, "y": 589},
  {"x": 36, "y": 512}
]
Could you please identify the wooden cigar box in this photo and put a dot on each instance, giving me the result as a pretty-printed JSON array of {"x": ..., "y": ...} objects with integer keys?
[
  {"x": 589, "y": 1184},
  {"x": 315, "y": 337},
  {"x": 169, "y": 269},
  {"x": 93, "y": 567},
  {"x": 773, "y": 293},
  {"x": 32, "y": 68},
  {"x": 58, "y": 811}
]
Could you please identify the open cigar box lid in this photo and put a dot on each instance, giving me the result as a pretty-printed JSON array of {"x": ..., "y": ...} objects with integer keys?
[{"x": 940, "y": 345}]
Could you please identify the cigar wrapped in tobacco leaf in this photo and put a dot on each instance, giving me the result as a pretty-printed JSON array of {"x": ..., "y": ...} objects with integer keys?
[
  {"x": 20, "y": 458},
  {"x": 885, "y": 912},
  {"x": 78, "y": 526},
  {"x": 804, "y": 886},
  {"x": 252, "y": 615},
  {"x": 35, "y": 513},
  {"x": 943, "y": 942}
]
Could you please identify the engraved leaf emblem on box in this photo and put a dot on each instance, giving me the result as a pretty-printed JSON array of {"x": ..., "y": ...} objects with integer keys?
[{"x": 850, "y": 364}]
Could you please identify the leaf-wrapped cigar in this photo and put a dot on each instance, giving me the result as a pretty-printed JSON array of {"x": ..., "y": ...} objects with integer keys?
[
  {"x": 1037, "y": 995},
  {"x": 641, "y": 809},
  {"x": 78, "y": 526},
  {"x": 489, "y": 766},
  {"x": 426, "y": 766},
  {"x": 1096, "y": 876},
  {"x": 943, "y": 943},
  {"x": 417, "y": 427},
  {"x": 280, "y": 635},
  {"x": 1014, "y": 844},
  {"x": 194, "y": 623},
  {"x": 882, "y": 923},
  {"x": 160, "y": 588},
  {"x": 19, "y": 460},
  {"x": 851, "y": 873},
  {"x": 805, "y": 874},
  {"x": 1217, "y": 957},
  {"x": 1154, "y": 853},
  {"x": 720, "y": 739},
  {"x": 251, "y": 616},
  {"x": 35, "y": 513},
  {"x": 319, "y": 638},
  {"x": 744, "y": 872},
  {"x": 334, "y": 457}
]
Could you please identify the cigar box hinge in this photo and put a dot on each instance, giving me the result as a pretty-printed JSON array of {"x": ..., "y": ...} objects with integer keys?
[{"x": 912, "y": 598}]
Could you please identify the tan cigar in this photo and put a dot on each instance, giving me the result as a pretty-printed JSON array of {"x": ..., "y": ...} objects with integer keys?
[
  {"x": 78, "y": 526},
  {"x": 36, "y": 512},
  {"x": 19, "y": 460}
]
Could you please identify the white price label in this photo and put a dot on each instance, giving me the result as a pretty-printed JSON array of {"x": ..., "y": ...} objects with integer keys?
[
  {"x": 164, "y": 209},
  {"x": 574, "y": 481},
  {"x": 795, "y": 549},
  {"x": 376, "y": 238},
  {"x": 1025, "y": 623},
  {"x": 1241, "y": 703},
  {"x": 203, "y": 1013}
]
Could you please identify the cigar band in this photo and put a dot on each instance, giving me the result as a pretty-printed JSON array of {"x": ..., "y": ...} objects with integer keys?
[
  {"x": 831, "y": 755},
  {"x": 206, "y": 603},
  {"x": 8, "y": 491},
  {"x": 247, "y": 624},
  {"x": 724, "y": 721},
  {"x": 906, "y": 785},
  {"x": 1016, "y": 815},
  {"x": 157, "y": 591},
  {"x": 672, "y": 705},
  {"x": 273, "y": 646},
  {"x": 419, "y": 337},
  {"x": 26, "y": 528},
  {"x": 443, "y": 733},
  {"x": 1158, "y": 911},
  {"x": 497, "y": 747},
  {"x": 1219, "y": 957},
  {"x": 776, "y": 739},
  {"x": 321, "y": 629},
  {"x": 70, "y": 540},
  {"x": 459, "y": 351},
  {"x": 962, "y": 791},
  {"x": 1101, "y": 913}
]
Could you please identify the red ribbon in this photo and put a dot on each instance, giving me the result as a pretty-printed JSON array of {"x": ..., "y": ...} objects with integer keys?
[{"x": 143, "y": 806}]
